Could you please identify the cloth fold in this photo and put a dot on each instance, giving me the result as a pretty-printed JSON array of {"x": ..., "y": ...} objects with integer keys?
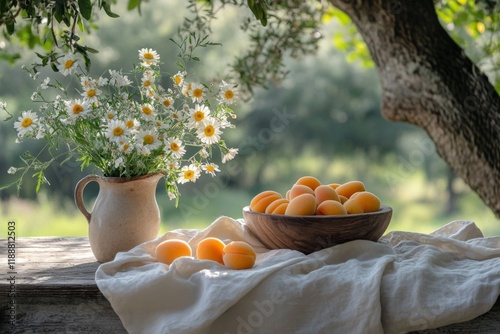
[{"x": 405, "y": 282}]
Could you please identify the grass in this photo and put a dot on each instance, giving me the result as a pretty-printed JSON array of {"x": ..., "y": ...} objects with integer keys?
[{"x": 418, "y": 204}]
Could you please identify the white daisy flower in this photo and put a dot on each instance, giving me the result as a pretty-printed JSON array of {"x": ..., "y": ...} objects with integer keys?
[
  {"x": 179, "y": 78},
  {"x": 87, "y": 82},
  {"x": 12, "y": 170},
  {"x": 68, "y": 64},
  {"x": 167, "y": 101},
  {"x": 117, "y": 130},
  {"x": 76, "y": 108},
  {"x": 173, "y": 165},
  {"x": 110, "y": 114},
  {"x": 132, "y": 124},
  {"x": 90, "y": 94},
  {"x": 26, "y": 122},
  {"x": 177, "y": 115},
  {"x": 148, "y": 57},
  {"x": 229, "y": 155},
  {"x": 228, "y": 93},
  {"x": 209, "y": 131},
  {"x": 198, "y": 115},
  {"x": 198, "y": 93},
  {"x": 189, "y": 174},
  {"x": 125, "y": 147},
  {"x": 148, "y": 139},
  {"x": 175, "y": 146},
  {"x": 187, "y": 89},
  {"x": 210, "y": 168},
  {"x": 147, "y": 111}
]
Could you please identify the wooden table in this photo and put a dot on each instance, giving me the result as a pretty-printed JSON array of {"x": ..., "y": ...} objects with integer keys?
[{"x": 55, "y": 292}]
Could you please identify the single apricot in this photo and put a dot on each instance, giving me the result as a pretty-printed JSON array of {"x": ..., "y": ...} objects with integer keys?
[
  {"x": 281, "y": 209},
  {"x": 343, "y": 199},
  {"x": 239, "y": 255},
  {"x": 299, "y": 189},
  {"x": 169, "y": 250},
  {"x": 334, "y": 185},
  {"x": 302, "y": 205},
  {"x": 324, "y": 193},
  {"x": 331, "y": 207},
  {"x": 309, "y": 181},
  {"x": 368, "y": 201},
  {"x": 260, "y": 196},
  {"x": 271, "y": 207},
  {"x": 263, "y": 203},
  {"x": 352, "y": 206},
  {"x": 211, "y": 249},
  {"x": 349, "y": 188}
]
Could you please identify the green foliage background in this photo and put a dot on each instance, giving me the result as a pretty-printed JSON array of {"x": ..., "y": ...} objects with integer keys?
[{"x": 336, "y": 132}]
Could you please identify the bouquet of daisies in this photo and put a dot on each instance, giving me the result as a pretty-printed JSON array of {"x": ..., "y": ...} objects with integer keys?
[{"x": 131, "y": 124}]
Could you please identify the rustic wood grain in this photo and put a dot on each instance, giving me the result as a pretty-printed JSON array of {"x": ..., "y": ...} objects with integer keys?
[
  {"x": 55, "y": 289},
  {"x": 56, "y": 292}
]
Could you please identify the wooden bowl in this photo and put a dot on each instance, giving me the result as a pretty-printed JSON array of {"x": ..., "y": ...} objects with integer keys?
[{"x": 308, "y": 234}]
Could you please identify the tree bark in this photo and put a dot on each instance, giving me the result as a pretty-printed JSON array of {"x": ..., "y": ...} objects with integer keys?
[{"x": 427, "y": 80}]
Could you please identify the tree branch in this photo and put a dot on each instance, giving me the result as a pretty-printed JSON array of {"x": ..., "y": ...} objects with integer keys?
[{"x": 427, "y": 80}]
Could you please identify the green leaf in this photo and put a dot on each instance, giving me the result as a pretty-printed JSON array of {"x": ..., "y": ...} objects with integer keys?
[
  {"x": 85, "y": 7},
  {"x": 10, "y": 26},
  {"x": 133, "y": 4},
  {"x": 107, "y": 9}
]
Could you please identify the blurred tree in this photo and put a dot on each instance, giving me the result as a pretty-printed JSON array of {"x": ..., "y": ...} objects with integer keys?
[{"x": 427, "y": 79}]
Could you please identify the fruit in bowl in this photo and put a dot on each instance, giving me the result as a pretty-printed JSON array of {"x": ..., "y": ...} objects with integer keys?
[{"x": 311, "y": 219}]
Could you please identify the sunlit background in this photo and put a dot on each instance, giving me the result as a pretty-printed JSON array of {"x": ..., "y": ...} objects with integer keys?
[{"x": 324, "y": 121}]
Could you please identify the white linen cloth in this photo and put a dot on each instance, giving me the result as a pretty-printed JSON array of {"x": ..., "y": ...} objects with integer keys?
[{"x": 406, "y": 281}]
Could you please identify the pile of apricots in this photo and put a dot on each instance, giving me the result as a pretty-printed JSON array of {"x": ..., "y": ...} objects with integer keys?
[
  {"x": 309, "y": 197},
  {"x": 235, "y": 255}
]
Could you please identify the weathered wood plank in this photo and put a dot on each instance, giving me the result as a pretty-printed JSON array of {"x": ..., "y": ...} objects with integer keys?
[
  {"x": 55, "y": 292},
  {"x": 55, "y": 289}
]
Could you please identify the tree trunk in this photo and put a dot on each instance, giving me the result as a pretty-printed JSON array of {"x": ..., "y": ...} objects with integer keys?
[{"x": 427, "y": 80}]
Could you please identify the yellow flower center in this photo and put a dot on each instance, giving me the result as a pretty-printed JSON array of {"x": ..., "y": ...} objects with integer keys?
[
  {"x": 26, "y": 122},
  {"x": 166, "y": 103},
  {"x": 77, "y": 109},
  {"x": 125, "y": 147},
  {"x": 117, "y": 132},
  {"x": 177, "y": 79},
  {"x": 149, "y": 55},
  {"x": 129, "y": 124},
  {"x": 198, "y": 92},
  {"x": 158, "y": 123},
  {"x": 209, "y": 130},
  {"x": 110, "y": 116},
  {"x": 148, "y": 140},
  {"x": 69, "y": 64},
  {"x": 229, "y": 94},
  {"x": 91, "y": 93},
  {"x": 199, "y": 116},
  {"x": 147, "y": 110},
  {"x": 174, "y": 146},
  {"x": 210, "y": 168},
  {"x": 147, "y": 83},
  {"x": 189, "y": 174}
]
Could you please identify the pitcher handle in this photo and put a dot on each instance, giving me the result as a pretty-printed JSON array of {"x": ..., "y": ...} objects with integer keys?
[{"x": 80, "y": 186}]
